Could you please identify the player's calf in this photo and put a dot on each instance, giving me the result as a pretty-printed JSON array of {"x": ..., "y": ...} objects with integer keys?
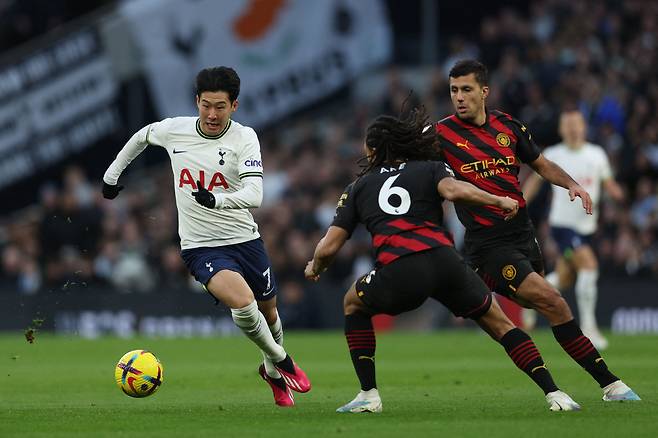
[
  {"x": 581, "y": 349},
  {"x": 525, "y": 355}
]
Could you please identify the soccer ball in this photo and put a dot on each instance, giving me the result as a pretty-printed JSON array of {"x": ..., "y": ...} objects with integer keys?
[{"x": 138, "y": 373}]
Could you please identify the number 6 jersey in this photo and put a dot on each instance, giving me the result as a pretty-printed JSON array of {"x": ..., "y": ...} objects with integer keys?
[{"x": 400, "y": 207}]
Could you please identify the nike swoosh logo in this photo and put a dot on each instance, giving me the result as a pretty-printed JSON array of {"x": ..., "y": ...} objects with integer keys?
[
  {"x": 178, "y": 152},
  {"x": 268, "y": 292}
]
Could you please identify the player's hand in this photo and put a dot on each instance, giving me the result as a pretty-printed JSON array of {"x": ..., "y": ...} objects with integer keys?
[
  {"x": 309, "y": 273},
  {"x": 578, "y": 191},
  {"x": 203, "y": 196},
  {"x": 509, "y": 206},
  {"x": 111, "y": 191}
]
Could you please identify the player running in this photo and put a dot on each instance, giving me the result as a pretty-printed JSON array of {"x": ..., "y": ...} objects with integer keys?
[
  {"x": 398, "y": 198},
  {"x": 571, "y": 228},
  {"x": 218, "y": 176},
  {"x": 486, "y": 148}
]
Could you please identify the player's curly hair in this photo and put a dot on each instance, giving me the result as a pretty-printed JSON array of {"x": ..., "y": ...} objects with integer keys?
[{"x": 396, "y": 139}]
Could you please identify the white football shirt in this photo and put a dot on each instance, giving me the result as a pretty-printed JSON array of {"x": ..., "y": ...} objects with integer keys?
[
  {"x": 220, "y": 163},
  {"x": 589, "y": 166}
]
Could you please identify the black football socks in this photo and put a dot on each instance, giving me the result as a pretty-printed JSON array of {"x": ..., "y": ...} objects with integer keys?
[
  {"x": 580, "y": 348},
  {"x": 524, "y": 353},
  {"x": 361, "y": 342}
]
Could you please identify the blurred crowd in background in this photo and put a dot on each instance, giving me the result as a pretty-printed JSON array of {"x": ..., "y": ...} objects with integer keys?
[
  {"x": 23, "y": 20},
  {"x": 600, "y": 56}
]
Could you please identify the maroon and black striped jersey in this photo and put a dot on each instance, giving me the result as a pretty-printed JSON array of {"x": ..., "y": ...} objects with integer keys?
[
  {"x": 489, "y": 157},
  {"x": 399, "y": 206}
]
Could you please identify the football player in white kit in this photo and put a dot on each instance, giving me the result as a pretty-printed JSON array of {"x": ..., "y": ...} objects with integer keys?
[
  {"x": 571, "y": 228},
  {"x": 218, "y": 176}
]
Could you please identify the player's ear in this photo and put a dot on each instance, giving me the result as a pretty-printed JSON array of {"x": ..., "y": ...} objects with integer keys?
[
  {"x": 234, "y": 105},
  {"x": 485, "y": 91}
]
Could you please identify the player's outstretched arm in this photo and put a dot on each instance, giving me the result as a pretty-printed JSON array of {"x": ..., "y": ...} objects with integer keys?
[
  {"x": 129, "y": 152},
  {"x": 325, "y": 252},
  {"x": 554, "y": 174},
  {"x": 462, "y": 191}
]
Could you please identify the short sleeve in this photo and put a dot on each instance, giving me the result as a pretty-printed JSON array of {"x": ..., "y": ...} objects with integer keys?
[
  {"x": 346, "y": 215},
  {"x": 526, "y": 148},
  {"x": 441, "y": 170},
  {"x": 550, "y": 153},
  {"x": 250, "y": 163}
]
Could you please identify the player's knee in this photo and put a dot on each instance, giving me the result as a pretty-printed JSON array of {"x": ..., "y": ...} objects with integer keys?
[
  {"x": 235, "y": 299},
  {"x": 351, "y": 304}
]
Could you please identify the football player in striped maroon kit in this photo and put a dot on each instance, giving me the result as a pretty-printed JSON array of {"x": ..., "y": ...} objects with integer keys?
[
  {"x": 486, "y": 148},
  {"x": 398, "y": 198}
]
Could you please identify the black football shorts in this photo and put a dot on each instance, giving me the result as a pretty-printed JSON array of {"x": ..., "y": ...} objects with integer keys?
[
  {"x": 438, "y": 273},
  {"x": 505, "y": 265}
]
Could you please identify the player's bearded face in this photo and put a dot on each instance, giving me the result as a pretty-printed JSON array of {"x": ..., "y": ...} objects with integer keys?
[
  {"x": 468, "y": 96},
  {"x": 215, "y": 109}
]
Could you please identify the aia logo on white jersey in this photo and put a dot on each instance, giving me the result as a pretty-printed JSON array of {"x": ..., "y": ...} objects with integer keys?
[{"x": 186, "y": 178}]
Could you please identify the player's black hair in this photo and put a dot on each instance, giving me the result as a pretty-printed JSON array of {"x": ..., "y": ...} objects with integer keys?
[
  {"x": 218, "y": 79},
  {"x": 468, "y": 66},
  {"x": 394, "y": 139}
]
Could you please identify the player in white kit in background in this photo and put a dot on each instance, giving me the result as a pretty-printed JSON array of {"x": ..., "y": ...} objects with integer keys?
[
  {"x": 218, "y": 176},
  {"x": 571, "y": 229}
]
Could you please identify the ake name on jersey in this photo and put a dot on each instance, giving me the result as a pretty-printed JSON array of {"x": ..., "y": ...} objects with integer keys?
[{"x": 399, "y": 206}]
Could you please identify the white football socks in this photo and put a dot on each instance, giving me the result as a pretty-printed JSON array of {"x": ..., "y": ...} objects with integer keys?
[
  {"x": 253, "y": 324},
  {"x": 586, "y": 297},
  {"x": 277, "y": 333}
]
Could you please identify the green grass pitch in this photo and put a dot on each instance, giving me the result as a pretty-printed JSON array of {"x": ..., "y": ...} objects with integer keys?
[{"x": 450, "y": 384}]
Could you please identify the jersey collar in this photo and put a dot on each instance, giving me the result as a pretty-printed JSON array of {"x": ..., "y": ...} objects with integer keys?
[
  {"x": 466, "y": 123},
  {"x": 212, "y": 137}
]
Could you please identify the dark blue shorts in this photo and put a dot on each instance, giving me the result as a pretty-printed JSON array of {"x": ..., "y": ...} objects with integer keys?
[
  {"x": 249, "y": 259},
  {"x": 568, "y": 240}
]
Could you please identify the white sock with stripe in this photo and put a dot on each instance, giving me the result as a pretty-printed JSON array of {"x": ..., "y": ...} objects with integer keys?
[
  {"x": 277, "y": 333},
  {"x": 253, "y": 324}
]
